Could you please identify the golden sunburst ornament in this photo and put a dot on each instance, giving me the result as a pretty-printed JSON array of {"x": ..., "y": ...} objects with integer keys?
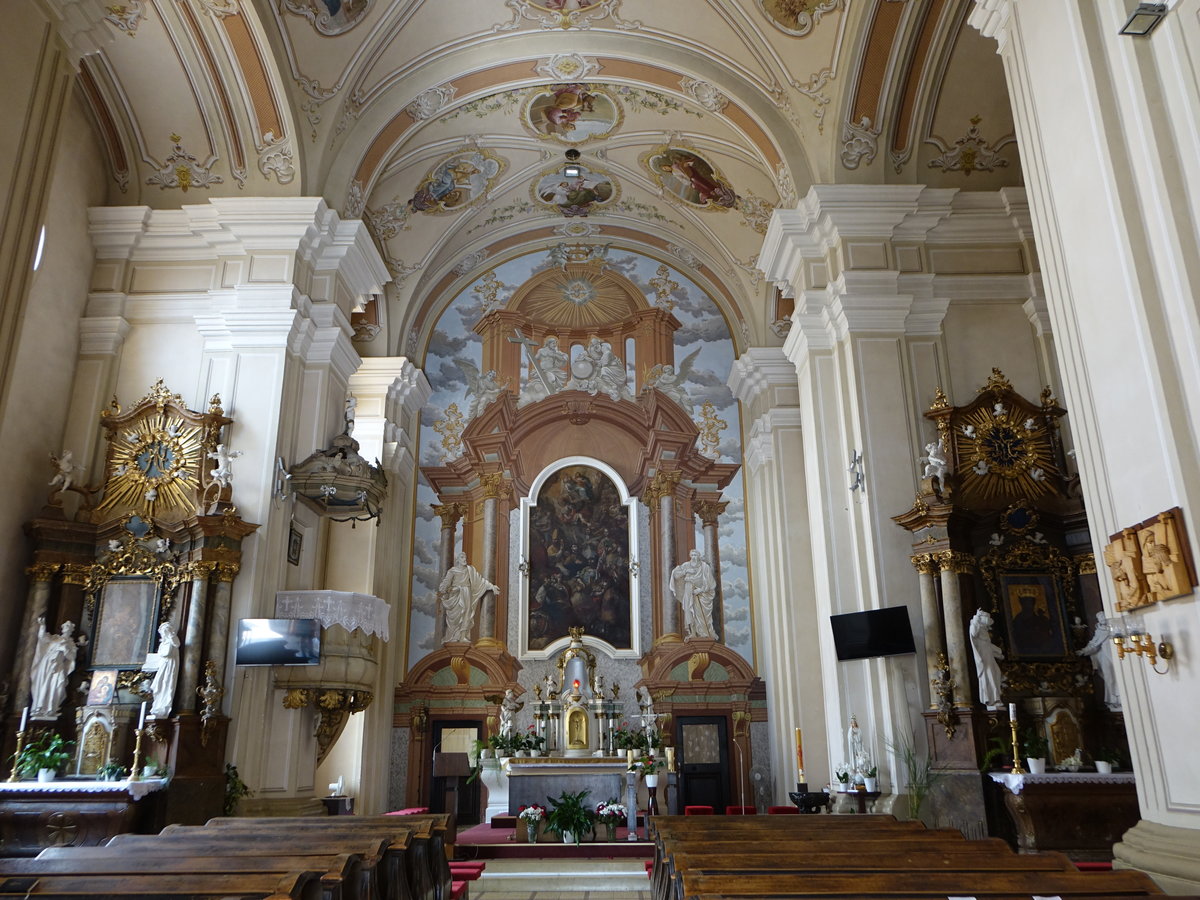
[{"x": 154, "y": 464}]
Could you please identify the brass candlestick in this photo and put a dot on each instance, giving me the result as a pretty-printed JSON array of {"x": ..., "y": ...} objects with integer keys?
[
  {"x": 135, "y": 773},
  {"x": 17, "y": 755},
  {"x": 1017, "y": 768}
]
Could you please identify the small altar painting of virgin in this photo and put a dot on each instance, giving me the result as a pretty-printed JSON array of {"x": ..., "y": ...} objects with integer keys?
[
  {"x": 579, "y": 559},
  {"x": 1034, "y": 616}
]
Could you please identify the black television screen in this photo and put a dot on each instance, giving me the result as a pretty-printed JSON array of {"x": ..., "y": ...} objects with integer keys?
[
  {"x": 873, "y": 632},
  {"x": 278, "y": 642}
]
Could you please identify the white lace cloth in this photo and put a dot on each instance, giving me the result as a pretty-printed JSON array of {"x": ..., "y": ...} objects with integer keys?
[
  {"x": 136, "y": 789},
  {"x": 350, "y": 610},
  {"x": 1015, "y": 783}
]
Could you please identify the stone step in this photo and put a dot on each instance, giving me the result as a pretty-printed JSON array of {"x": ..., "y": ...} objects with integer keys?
[{"x": 563, "y": 876}]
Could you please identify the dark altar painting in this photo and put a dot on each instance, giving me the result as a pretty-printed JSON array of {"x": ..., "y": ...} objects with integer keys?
[
  {"x": 579, "y": 559},
  {"x": 1033, "y": 613}
]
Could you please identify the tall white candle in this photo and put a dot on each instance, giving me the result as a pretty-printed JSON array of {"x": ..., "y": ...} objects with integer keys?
[
  {"x": 1012, "y": 710},
  {"x": 24, "y": 718},
  {"x": 142, "y": 717}
]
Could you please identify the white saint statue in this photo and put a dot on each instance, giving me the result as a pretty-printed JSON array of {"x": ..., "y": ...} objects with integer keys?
[
  {"x": 222, "y": 472},
  {"x": 936, "y": 463},
  {"x": 508, "y": 710},
  {"x": 459, "y": 595},
  {"x": 165, "y": 666},
  {"x": 854, "y": 743},
  {"x": 693, "y": 585},
  {"x": 987, "y": 654},
  {"x": 646, "y": 709},
  {"x": 53, "y": 661},
  {"x": 1099, "y": 648}
]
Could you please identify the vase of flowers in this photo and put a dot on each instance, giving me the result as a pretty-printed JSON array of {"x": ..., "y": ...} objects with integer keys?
[
  {"x": 611, "y": 814},
  {"x": 569, "y": 817},
  {"x": 534, "y": 742},
  {"x": 842, "y": 772},
  {"x": 529, "y": 820}
]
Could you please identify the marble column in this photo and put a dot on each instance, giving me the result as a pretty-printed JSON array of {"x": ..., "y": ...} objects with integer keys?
[
  {"x": 41, "y": 576},
  {"x": 493, "y": 490},
  {"x": 218, "y": 620},
  {"x": 953, "y": 564},
  {"x": 708, "y": 511},
  {"x": 931, "y": 618},
  {"x": 193, "y": 640},
  {"x": 660, "y": 497},
  {"x": 449, "y": 513}
]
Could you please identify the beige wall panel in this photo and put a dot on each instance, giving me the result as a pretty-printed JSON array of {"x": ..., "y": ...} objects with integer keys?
[
  {"x": 976, "y": 260},
  {"x": 149, "y": 279},
  {"x": 170, "y": 352},
  {"x": 982, "y": 335}
]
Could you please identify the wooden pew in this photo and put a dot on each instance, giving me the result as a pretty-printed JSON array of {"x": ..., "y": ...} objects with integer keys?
[
  {"x": 801, "y": 864},
  {"x": 436, "y": 828},
  {"x": 341, "y": 876},
  {"x": 920, "y": 884},
  {"x": 383, "y": 858},
  {"x": 246, "y": 885}
]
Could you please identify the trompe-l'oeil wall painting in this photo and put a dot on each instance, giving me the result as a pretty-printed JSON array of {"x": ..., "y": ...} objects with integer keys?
[{"x": 704, "y": 354}]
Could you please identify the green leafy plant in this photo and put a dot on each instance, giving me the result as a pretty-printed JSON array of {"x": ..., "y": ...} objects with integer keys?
[
  {"x": 569, "y": 813},
  {"x": 872, "y": 772},
  {"x": 996, "y": 755},
  {"x": 919, "y": 774},
  {"x": 1108, "y": 755},
  {"x": 235, "y": 789},
  {"x": 48, "y": 750},
  {"x": 1034, "y": 744},
  {"x": 646, "y": 765},
  {"x": 111, "y": 771}
]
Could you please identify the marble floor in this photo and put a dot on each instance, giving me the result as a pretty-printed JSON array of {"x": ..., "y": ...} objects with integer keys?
[{"x": 571, "y": 879}]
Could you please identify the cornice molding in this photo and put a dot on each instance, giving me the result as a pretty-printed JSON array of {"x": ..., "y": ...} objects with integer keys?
[
  {"x": 991, "y": 18},
  {"x": 757, "y": 369}
]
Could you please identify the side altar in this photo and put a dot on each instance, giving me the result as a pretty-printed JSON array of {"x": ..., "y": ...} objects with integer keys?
[{"x": 514, "y": 782}]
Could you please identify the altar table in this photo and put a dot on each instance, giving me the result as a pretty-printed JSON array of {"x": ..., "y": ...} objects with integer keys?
[
  {"x": 1081, "y": 814},
  {"x": 35, "y": 815}
]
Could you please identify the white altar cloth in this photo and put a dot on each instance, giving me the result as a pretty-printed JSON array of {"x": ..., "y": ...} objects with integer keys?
[
  {"x": 1015, "y": 783},
  {"x": 136, "y": 789}
]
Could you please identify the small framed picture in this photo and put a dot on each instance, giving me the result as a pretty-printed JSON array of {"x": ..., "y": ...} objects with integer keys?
[
  {"x": 103, "y": 687},
  {"x": 295, "y": 543}
]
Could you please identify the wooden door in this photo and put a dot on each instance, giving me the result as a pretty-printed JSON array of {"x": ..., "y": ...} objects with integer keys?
[
  {"x": 455, "y": 736},
  {"x": 702, "y": 757}
]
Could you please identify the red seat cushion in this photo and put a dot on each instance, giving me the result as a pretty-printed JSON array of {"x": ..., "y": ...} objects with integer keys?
[
  {"x": 411, "y": 811},
  {"x": 458, "y": 889},
  {"x": 782, "y": 811},
  {"x": 1094, "y": 866},
  {"x": 466, "y": 871},
  {"x": 697, "y": 810}
]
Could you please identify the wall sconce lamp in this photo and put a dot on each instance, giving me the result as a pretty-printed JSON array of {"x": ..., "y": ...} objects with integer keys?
[
  {"x": 572, "y": 169},
  {"x": 1144, "y": 19},
  {"x": 1143, "y": 645}
]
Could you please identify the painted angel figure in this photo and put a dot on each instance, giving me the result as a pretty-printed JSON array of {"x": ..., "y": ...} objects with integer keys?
[
  {"x": 481, "y": 388},
  {"x": 668, "y": 379}
]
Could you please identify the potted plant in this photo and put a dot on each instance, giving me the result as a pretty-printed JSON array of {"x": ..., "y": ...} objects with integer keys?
[
  {"x": 235, "y": 789},
  {"x": 918, "y": 773},
  {"x": 44, "y": 756},
  {"x": 647, "y": 767},
  {"x": 536, "y": 741},
  {"x": 569, "y": 816},
  {"x": 871, "y": 778},
  {"x": 110, "y": 771},
  {"x": 610, "y": 814},
  {"x": 842, "y": 773},
  {"x": 531, "y": 817},
  {"x": 1035, "y": 747},
  {"x": 625, "y": 738},
  {"x": 996, "y": 756},
  {"x": 1106, "y": 760}
]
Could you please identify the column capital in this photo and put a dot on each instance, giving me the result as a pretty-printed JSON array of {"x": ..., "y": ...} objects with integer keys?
[
  {"x": 925, "y": 564},
  {"x": 760, "y": 369},
  {"x": 495, "y": 486},
  {"x": 709, "y": 510},
  {"x": 955, "y": 561},
  {"x": 662, "y": 485},
  {"x": 449, "y": 513}
]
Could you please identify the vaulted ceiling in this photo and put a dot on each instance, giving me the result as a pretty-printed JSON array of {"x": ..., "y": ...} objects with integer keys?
[{"x": 444, "y": 123}]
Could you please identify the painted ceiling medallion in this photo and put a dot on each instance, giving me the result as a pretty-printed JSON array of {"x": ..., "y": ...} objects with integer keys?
[
  {"x": 457, "y": 181},
  {"x": 797, "y": 17},
  {"x": 572, "y": 113},
  {"x": 578, "y": 291},
  {"x": 577, "y": 196},
  {"x": 564, "y": 13},
  {"x": 689, "y": 177},
  {"x": 330, "y": 17}
]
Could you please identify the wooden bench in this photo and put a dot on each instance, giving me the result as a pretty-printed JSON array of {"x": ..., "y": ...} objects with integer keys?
[
  {"x": 428, "y": 873},
  {"x": 340, "y": 876},
  {"x": 383, "y": 859},
  {"x": 247, "y": 885},
  {"x": 921, "y": 884}
]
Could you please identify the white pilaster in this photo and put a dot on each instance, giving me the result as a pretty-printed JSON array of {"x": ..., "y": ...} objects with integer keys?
[{"x": 1103, "y": 121}]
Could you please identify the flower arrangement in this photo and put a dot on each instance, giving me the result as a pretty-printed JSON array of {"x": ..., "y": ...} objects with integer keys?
[
  {"x": 646, "y": 764},
  {"x": 842, "y": 772},
  {"x": 533, "y": 740},
  {"x": 570, "y": 815},
  {"x": 611, "y": 810},
  {"x": 1073, "y": 762},
  {"x": 625, "y": 738},
  {"x": 533, "y": 813}
]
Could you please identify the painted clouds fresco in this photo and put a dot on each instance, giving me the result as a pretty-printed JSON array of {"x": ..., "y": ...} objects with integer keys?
[{"x": 703, "y": 329}]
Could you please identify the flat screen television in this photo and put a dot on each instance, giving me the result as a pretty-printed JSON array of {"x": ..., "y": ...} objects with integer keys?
[
  {"x": 278, "y": 642},
  {"x": 873, "y": 632}
]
